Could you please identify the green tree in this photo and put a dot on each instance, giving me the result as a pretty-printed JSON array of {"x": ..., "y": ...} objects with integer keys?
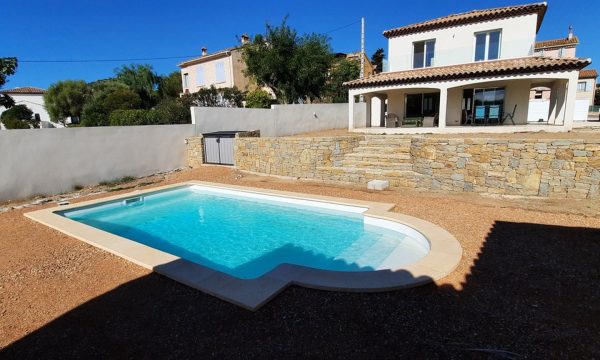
[
  {"x": 18, "y": 117},
  {"x": 170, "y": 86},
  {"x": 8, "y": 67},
  {"x": 377, "y": 59},
  {"x": 66, "y": 98},
  {"x": 294, "y": 67},
  {"x": 258, "y": 99},
  {"x": 344, "y": 70},
  {"x": 143, "y": 80},
  {"x": 106, "y": 97},
  {"x": 213, "y": 97}
]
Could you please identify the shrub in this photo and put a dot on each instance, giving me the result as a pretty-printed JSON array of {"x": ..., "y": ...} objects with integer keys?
[
  {"x": 171, "y": 111},
  {"x": 213, "y": 97},
  {"x": 18, "y": 117},
  {"x": 258, "y": 99},
  {"x": 108, "y": 96},
  {"x": 133, "y": 117}
]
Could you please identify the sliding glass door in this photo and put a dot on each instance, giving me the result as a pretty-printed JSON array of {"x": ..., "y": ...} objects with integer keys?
[{"x": 489, "y": 98}]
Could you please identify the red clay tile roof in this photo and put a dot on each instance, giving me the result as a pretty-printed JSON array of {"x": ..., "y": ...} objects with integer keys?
[
  {"x": 24, "y": 90},
  {"x": 588, "y": 74},
  {"x": 526, "y": 65},
  {"x": 470, "y": 17},
  {"x": 549, "y": 44}
]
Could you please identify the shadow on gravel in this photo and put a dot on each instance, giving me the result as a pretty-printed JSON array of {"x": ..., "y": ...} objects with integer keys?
[{"x": 532, "y": 292}]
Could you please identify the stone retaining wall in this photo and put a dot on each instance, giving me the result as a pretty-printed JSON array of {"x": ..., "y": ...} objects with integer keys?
[
  {"x": 546, "y": 168},
  {"x": 195, "y": 151},
  {"x": 294, "y": 157},
  {"x": 527, "y": 167}
]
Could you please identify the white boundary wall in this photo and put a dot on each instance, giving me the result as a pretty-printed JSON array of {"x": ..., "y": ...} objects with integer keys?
[
  {"x": 280, "y": 120},
  {"x": 52, "y": 161}
]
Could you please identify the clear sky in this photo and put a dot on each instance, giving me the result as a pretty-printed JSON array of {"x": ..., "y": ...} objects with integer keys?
[{"x": 125, "y": 29}]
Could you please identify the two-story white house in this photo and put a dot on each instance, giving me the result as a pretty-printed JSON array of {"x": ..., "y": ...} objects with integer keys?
[{"x": 464, "y": 70}]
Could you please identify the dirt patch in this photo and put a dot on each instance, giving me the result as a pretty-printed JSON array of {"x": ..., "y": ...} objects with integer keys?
[{"x": 527, "y": 283}]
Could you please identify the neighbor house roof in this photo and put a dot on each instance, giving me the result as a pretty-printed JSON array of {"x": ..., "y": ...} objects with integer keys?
[
  {"x": 549, "y": 44},
  {"x": 526, "y": 65},
  {"x": 24, "y": 90},
  {"x": 207, "y": 57},
  {"x": 588, "y": 74},
  {"x": 470, "y": 17}
]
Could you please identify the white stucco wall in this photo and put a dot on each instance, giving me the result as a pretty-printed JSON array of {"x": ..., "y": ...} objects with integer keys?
[
  {"x": 456, "y": 45},
  {"x": 35, "y": 103},
  {"x": 281, "y": 120},
  {"x": 51, "y": 161}
]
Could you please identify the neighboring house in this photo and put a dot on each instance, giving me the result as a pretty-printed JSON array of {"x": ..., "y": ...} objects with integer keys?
[
  {"x": 474, "y": 67},
  {"x": 224, "y": 68},
  {"x": 30, "y": 96},
  {"x": 355, "y": 56},
  {"x": 586, "y": 86}
]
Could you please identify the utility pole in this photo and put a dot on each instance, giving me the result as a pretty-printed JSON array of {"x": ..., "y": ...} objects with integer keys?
[{"x": 362, "y": 51}]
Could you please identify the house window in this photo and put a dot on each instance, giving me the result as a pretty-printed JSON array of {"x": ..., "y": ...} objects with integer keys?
[
  {"x": 423, "y": 54},
  {"x": 200, "y": 76},
  {"x": 582, "y": 86},
  {"x": 561, "y": 52},
  {"x": 487, "y": 45},
  {"x": 539, "y": 94},
  {"x": 219, "y": 72},
  {"x": 186, "y": 80}
]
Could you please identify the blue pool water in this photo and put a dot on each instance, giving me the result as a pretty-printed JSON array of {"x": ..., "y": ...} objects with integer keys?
[{"x": 245, "y": 236}]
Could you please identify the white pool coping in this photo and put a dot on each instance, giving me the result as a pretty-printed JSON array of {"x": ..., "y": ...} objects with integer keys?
[{"x": 443, "y": 257}]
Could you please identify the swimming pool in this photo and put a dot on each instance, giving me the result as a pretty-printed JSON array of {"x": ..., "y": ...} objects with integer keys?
[
  {"x": 245, "y": 245},
  {"x": 247, "y": 235}
]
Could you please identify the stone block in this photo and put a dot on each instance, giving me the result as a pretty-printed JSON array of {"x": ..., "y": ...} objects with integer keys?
[{"x": 378, "y": 185}]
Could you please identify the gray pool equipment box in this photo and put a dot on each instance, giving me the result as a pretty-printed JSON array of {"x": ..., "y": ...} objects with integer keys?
[{"x": 218, "y": 147}]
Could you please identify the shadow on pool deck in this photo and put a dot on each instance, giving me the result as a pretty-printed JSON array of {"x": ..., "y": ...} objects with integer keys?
[{"x": 533, "y": 291}]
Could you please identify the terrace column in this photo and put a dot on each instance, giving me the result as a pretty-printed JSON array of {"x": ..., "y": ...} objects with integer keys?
[
  {"x": 443, "y": 108},
  {"x": 570, "y": 101},
  {"x": 350, "y": 110},
  {"x": 369, "y": 111}
]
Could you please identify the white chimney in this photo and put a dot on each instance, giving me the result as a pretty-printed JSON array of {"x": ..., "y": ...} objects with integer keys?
[
  {"x": 245, "y": 39},
  {"x": 570, "y": 36},
  {"x": 204, "y": 51}
]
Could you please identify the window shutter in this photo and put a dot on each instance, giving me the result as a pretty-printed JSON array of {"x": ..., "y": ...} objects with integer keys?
[
  {"x": 220, "y": 72},
  {"x": 200, "y": 76}
]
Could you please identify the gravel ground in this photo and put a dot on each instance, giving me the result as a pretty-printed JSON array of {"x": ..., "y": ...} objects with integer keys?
[{"x": 527, "y": 286}]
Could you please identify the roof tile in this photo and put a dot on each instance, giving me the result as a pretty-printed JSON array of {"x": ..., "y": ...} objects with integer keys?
[
  {"x": 548, "y": 44},
  {"x": 470, "y": 17},
  {"x": 24, "y": 90},
  {"x": 526, "y": 65}
]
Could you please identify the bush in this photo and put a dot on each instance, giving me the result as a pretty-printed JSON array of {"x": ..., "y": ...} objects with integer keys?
[
  {"x": 108, "y": 96},
  {"x": 258, "y": 99},
  {"x": 133, "y": 117},
  {"x": 213, "y": 97},
  {"x": 171, "y": 111},
  {"x": 11, "y": 124},
  {"x": 18, "y": 117}
]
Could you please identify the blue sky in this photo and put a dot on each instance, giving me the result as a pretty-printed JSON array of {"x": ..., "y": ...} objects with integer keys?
[{"x": 111, "y": 29}]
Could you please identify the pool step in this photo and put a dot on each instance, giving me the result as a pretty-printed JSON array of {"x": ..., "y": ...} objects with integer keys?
[{"x": 369, "y": 252}]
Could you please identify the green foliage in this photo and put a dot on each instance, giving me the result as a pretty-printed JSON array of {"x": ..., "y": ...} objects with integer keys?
[
  {"x": 294, "y": 67},
  {"x": 170, "y": 85},
  {"x": 133, "y": 117},
  {"x": 11, "y": 124},
  {"x": 597, "y": 97},
  {"x": 18, "y": 117},
  {"x": 344, "y": 70},
  {"x": 8, "y": 67},
  {"x": 213, "y": 97},
  {"x": 172, "y": 111},
  {"x": 108, "y": 96},
  {"x": 66, "y": 98},
  {"x": 258, "y": 99},
  {"x": 377, "y": 59},
  {"x": 143, "y": 80}
]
